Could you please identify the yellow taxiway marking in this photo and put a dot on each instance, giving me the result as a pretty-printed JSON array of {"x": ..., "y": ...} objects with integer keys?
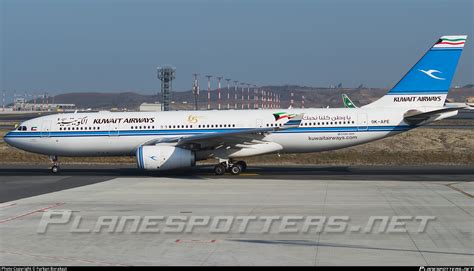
[{"x": 248, "y": 174}]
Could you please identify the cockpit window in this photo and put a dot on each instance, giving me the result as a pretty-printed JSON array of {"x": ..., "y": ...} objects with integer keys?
[{"x": 21, "y": 128}]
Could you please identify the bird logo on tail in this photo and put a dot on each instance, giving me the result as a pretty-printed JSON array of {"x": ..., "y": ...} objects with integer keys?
[{"x": 430, "y": 74}]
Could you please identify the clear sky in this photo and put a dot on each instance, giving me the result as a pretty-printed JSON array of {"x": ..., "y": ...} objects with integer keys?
[{"x": 104, "y": 45}]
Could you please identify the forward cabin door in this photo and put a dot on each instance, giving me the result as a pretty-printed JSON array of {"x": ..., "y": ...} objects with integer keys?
[
  {"x": 362, "y": 122},
  {"x": 114, "y": 129},
  {"x": 259, "y": 123},
  {"x": 46, "y": 128}
]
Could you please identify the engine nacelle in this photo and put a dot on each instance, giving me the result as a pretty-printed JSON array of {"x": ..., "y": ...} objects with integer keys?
[{"x": 164, "y": 158}]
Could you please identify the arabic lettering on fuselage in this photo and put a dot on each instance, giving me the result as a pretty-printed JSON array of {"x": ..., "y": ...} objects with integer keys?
[
  {"x": 72, "y": 121},
  {"x": 328, "y": 117}
]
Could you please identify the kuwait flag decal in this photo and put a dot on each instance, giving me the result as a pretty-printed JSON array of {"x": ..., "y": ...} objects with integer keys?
[
  {"x": 450, "y": 42},
  {"x": 282, "y": 115}
]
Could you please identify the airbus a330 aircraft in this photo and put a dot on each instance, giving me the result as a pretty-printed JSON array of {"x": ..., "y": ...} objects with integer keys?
[{"x": 177, "y": 139}]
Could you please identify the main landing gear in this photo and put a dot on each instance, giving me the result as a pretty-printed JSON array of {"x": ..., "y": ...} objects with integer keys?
[
  {"x": 234, "y": 168},
  {"x": 55, "y": 160}
]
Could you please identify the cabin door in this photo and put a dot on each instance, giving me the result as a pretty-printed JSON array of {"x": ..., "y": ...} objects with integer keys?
[
  {"x": 114, "y": 129},
  {"x": 46, "y": 128},
  {"x": 362, "y": 122}
]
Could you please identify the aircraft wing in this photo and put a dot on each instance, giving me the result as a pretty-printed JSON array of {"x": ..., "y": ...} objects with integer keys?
[{"x": 231, "y": 138}]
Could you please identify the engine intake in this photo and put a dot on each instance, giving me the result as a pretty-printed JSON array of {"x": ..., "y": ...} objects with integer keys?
[{"x": 164, "y": 157}]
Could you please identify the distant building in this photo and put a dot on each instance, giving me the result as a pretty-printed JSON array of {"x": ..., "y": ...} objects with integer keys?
[
  {"x": 150, "y": 107},
  {"x": 63, "y": 107},
  {"x": 19, "y": 104}
]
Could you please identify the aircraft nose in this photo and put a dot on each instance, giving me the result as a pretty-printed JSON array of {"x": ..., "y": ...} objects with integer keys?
[{"x": 8, "y": 138}]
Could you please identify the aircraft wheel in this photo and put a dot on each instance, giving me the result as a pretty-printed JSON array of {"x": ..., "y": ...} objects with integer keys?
[
  {"x": 55, "y": 169},
  {"x": 243, "y": 165},
  {"x": 236, "y": 169},
  {"x": 219, "y": 169}
]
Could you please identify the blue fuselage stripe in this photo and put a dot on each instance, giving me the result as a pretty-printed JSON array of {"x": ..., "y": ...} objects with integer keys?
[{"x": 206, "y": 131}]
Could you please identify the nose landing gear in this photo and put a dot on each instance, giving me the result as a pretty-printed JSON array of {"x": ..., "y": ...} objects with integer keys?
[
  {"x": 234, "y": 168},
  {"x": 55, "y": 160}
]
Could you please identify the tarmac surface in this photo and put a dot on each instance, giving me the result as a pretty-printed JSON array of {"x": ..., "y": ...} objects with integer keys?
[
  {"x": 29, "y": 193},
  {"x": 22, "y": 180}
]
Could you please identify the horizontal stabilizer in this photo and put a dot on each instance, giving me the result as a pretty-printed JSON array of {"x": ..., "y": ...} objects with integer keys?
[{"x": 415, "y": 117}]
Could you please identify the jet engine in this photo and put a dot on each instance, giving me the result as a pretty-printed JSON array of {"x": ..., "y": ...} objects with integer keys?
[{"x": 164, "y": 157}]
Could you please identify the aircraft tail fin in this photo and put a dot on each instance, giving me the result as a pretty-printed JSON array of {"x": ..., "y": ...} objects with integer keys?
[
  {"x": 427, "y": 82},
  {"x": 347, "y": 102}
]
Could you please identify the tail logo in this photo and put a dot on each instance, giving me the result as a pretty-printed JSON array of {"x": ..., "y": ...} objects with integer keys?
[{"x": 430, "y": 74}]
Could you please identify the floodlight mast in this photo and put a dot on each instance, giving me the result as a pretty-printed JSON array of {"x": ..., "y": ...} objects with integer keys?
[
  {"x": 196, "y": 90},
  {"x": 219, "y": 92},
  {"x": 243, "y": 96},
  {"x": 209, "y": 91},
  {"x": 228, "y": 93},
  {"x": 235, "y": 93}
]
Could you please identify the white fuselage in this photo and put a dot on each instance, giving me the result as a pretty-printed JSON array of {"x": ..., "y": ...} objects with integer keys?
[{"x": 121, "y": 133}]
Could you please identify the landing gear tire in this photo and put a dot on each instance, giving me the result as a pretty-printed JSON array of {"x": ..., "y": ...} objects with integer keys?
[
  {"x": 236, "y": 169},
  {"x": 243, "y": 165},
  {"x": 55, "y": 169},
  {"x": 219, "y": 169},
  {"x": 55, "y": 160}
]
